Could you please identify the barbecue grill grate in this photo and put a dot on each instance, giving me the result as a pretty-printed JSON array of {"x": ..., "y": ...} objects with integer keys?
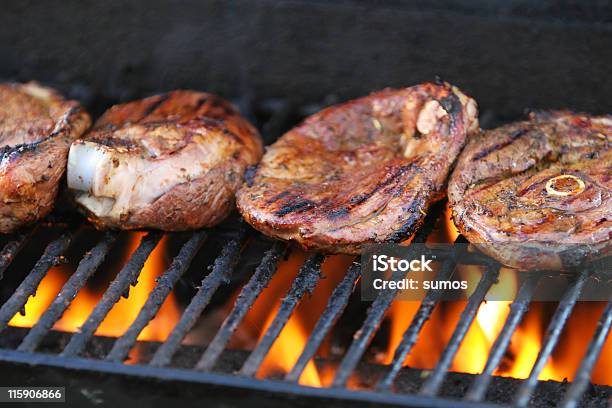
[{"x": 305, "y": 282}]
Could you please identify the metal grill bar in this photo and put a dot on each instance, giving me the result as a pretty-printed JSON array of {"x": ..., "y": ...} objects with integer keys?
[
  {"x": 221, "y": 272},
  {"x": 363, "y": 336},
  {"x": 50, "y": 257},
  {"x": 583, "y": 375},
  {"x": 87, "y": 267},
  {"x": 120, "y": 285},
  {"x": 375, "y": 315},
  {"x": 412, "y": 332},
  {"x": 434, "y": 381},
  {"x": 165, "y": 283},
  {"x": 335, "y": 306},
  {"x": 249, "y": 293},
  {"x": 12, "y": 248},
  {"x": 280, "y": 393},
  {"x": 551, "y": 338},
  {"x": 305, "y": 281},
  {"x": 517, "y": 311}
]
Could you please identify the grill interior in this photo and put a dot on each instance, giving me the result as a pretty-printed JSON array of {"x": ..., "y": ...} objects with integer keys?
[
  {"x": 41, "y": 345},
  {"x": 281, "y": 61}
]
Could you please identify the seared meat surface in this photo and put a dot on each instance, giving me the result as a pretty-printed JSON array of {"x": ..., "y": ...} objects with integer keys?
[
  {"x": 171, "y": 162},
  {"x": 361, "y": 172},
  {"x": 37, "y": 127},
  {"x": 530, "y": 190}
]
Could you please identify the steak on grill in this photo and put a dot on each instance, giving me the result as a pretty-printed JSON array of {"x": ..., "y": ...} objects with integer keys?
[
  {"x": 171, "y": 162},
  {"x": 538, "y": 192},
  {"x": 37, "y": 126},
  {"x": 360, "y": 172}
]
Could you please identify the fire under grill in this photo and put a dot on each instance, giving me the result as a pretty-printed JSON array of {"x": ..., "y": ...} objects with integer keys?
[
  {"x": 82, "y": 353},
  {"x": 543, "y": 55}
]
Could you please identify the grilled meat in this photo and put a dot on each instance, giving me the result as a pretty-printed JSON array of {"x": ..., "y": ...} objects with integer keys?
[
  {"x": 361, "y": 172},
  {"x": 37, "y": 126},
  {"x": 537, "y": 193},
  {"x": 171, "y": 162}
]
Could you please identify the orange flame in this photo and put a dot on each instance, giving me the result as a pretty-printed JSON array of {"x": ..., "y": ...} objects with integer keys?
[
  {"x": 292, "y": 339},
  {"x": 472, "y": 354},
  {"x": 286, "y": 350},
  {"x": 47, "y": 290},
  {"x": 570, "y": 350},
  {"x": 470, "y": 358},
  {"x": 526, "y": 341},
  {"x": 124, "y": 311}
]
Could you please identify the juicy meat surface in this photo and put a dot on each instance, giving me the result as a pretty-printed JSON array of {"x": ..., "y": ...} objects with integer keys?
[
  {"x": 171, "y": 162},
  {"x": 37, "y": 127},
  {"x": 360, "y": 172},
  {"x": 531, "y": 189}
]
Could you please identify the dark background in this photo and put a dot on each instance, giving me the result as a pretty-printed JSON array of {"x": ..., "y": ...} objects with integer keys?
[{"x": 508, "y": 54}]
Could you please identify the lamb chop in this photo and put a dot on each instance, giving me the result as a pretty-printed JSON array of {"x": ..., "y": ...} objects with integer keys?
[
  {"x": 37, "y": 126},
  {"x": 171, "y": 162},
  {"x": 537, "y": 193},
  {"x": 360, "y": 172}
]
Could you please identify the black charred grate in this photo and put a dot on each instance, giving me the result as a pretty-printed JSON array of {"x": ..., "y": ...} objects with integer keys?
[
  {"x": 267, "y": 53},
  {"x": 203, "y": 367}
]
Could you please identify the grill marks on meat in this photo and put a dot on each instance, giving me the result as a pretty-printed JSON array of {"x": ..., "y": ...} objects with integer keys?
[
  {"x": 361, "y": 172},
  {"x": 530, "y": 189},
  {"x": 37, "y": 127},
  {"x": 171, "y": 162}
]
